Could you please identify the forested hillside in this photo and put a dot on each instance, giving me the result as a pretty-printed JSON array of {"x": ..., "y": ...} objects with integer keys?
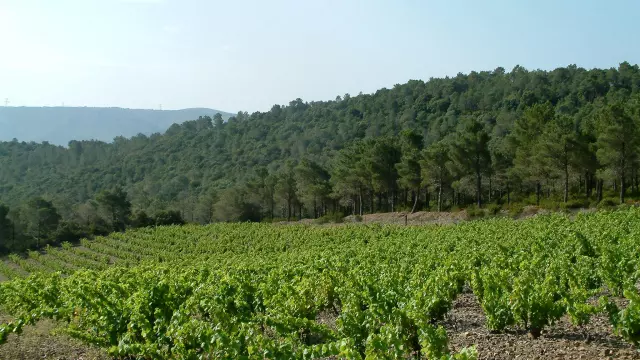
[{"x": 567, "y": 135}]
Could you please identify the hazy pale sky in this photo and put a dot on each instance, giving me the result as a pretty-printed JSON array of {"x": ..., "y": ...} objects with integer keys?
[{"x": 248, "y": 55}]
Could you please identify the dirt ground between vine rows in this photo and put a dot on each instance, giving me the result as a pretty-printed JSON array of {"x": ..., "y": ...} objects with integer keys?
[
  {"x": 38, "y": 342},
  {"x": 465, "y": 325}
]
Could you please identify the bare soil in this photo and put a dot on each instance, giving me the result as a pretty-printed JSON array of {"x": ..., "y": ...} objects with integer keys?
[
  {"x": 41, "y": 342},
  {"x": 465, "y": 325},
  {"x": 416, "y": 218}
]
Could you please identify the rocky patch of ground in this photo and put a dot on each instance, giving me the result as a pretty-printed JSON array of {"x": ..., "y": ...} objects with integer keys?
[{"x": 465, "y": 325}]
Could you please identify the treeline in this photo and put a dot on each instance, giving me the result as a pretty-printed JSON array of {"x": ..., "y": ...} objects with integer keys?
[
  {"x": 38, "y": 222},
  {"x": 544, "y": 155},
  {"x": 567, "y": 136}
]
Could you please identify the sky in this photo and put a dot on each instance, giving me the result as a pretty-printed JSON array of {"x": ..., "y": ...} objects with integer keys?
[{"x": 239, "y": 55}]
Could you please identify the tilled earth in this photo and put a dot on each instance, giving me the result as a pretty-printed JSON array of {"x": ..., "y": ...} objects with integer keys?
[
  {"x": 38, "y": 342},
  {"x": 465, "y": 325}
]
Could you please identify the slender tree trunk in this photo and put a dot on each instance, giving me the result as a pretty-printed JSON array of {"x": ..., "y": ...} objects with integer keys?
[
  {"x": 580, "y": 183},
  {"x": 599, "y": 185},
  {"x": 508, "y": 194},
  {"x": 478, "y": 185},
  {"x": 272, "y": 210},
  {"x": 440, "y": 195},
  {"x": 415, "y": 201},
  {"x": 490, "y": 188},
  {"x": 392, "y": 202},
  {"x": 371, "y": 200},
  {"x": 566, "y": 182},
  {"x": 406, "y": 195},
  {"x": 538, "y": 191},
  {"x": 587, "y": 185},
  {"x": 622, "y": 188},
  {"x": 427, "y": 198},
  {"x": 548, "y": 189}
]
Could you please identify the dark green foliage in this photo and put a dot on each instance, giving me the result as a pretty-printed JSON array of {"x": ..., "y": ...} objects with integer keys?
[
  {"x": 494, "y": 209},
  {"x": 617, "y": 142},
  {"x": 334, "y": 217},
  {"x": 233, "y": 206},
  {"x": 536, "y": 137},
  {"x": 41, "y": 220},
  {"x": 141, "y": 219},
  {"x": 608, "y": 203},
  {"x": 171, "y": 217},
  {"x": 117, "y": 207},
  {"x": 6, "y": 229},
  {"x": 474, "y": 212},
  {"x": 69, "y": 232},
  {"x": 575, "y": 204},
  {"x": 515, "y": 210}
]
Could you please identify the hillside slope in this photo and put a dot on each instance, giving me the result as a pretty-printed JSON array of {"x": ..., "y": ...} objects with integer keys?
[{"x": 365, "y": 153}]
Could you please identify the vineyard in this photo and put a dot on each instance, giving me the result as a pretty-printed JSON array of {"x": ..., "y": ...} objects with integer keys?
[{"x": 261, "y": 291}]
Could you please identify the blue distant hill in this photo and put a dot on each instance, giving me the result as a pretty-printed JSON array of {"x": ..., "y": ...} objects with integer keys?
[{"x": 59, "y": 125}]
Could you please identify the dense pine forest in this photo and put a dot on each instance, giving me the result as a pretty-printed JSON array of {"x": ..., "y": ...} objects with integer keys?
[{"x": 568, "y": 137}]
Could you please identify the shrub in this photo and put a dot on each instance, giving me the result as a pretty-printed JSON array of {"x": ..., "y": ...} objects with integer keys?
[
  {"x": 274, "y": 220},
  {"x": 608, "y": 203},
  {"x": 515, "y": 209},
  {"x": 550, "y": 204},
  {"x": 171, "y": 217},
  {"x": 474, "y": 212},
  {"x": 494, "y": 209},
  {"x": 575, "y": 204},
  {"x": 335, "y": 217}
]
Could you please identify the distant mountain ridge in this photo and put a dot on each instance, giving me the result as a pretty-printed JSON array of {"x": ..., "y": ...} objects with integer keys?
[{"x": 59, "y": 125}]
